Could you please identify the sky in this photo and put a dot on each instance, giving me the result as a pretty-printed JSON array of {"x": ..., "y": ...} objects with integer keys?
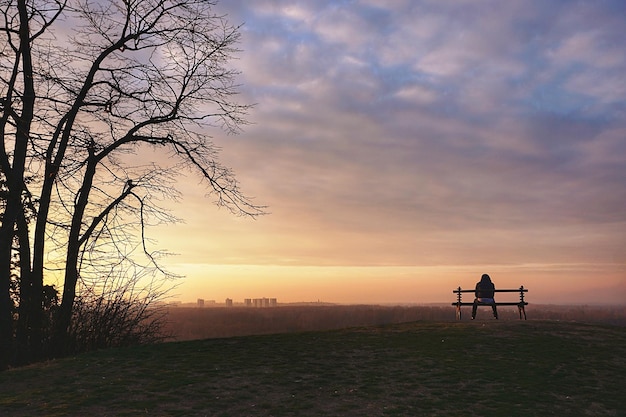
[{"x": 404, "y": 148}]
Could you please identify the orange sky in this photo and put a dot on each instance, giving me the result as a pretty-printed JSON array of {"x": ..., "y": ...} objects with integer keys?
[
  {"x": 406, "y": 149},
  {"x": 401, "y": 285},
  {"x": 281, "y": 256}
]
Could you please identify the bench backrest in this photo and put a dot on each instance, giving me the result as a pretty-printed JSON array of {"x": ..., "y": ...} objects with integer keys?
[{"x": 521, "y": 290}]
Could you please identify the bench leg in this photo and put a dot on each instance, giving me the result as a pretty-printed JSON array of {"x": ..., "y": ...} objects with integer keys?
[
  {"x": 521, "y": 310},
  {"x": 458, "y": 312}
]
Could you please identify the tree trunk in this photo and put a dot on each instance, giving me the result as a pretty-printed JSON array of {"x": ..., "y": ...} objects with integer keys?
[
  {"x": 6, "y": 316},
  {"x": 15, "y": 185},
  {"x": 64, "y": 317},
  {"x": 29, "y": 332}
]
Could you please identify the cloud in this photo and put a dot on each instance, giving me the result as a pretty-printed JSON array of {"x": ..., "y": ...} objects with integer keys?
[{"x": 386, "y": 132}]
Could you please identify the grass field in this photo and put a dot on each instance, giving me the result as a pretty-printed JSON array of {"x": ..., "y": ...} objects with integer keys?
[{"x": 482, "y": 368}]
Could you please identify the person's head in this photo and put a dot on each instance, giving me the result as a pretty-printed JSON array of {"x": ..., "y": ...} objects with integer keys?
[{"x": 485, "y": 278}]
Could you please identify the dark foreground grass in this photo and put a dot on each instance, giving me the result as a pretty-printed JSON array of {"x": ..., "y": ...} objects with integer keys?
[{"x": 489, "y": 368}]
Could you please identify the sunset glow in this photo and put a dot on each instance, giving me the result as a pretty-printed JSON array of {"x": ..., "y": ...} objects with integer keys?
[{"x": 406, "y": 148}]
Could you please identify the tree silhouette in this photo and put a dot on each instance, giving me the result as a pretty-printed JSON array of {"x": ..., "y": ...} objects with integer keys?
[{"x": 86, "y": 87}]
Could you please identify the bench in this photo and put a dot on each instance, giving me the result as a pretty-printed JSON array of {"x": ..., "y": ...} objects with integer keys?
[{"x": 520, "y": 304}]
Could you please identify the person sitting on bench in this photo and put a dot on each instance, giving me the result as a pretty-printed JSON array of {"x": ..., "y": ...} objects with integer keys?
[{"x": 484, "y": 295}]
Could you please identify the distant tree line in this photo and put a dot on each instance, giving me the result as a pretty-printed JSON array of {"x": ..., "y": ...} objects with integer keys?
[{"x": 188, "y": 323}]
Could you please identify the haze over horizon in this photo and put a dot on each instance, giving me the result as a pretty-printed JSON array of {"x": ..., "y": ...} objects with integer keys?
[{"x": 405, "y": 148}]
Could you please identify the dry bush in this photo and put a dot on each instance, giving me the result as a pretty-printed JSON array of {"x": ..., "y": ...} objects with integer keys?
[
  {"x": 116, "y": 312},
  {"x": 101, "y": 323}
]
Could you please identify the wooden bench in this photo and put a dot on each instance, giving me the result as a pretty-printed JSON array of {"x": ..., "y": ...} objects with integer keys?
[{"x": 520, "y": 304}]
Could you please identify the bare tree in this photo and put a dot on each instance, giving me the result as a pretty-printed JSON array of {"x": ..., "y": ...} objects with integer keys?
[{"x": 86, "y": 86}]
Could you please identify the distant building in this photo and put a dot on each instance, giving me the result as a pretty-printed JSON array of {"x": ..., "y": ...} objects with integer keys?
[
  {"x": 229, "y": 302},
  {"x": 263, "y": 302},
  {"x": 247, "y": 302},
  {"x": 200, "y": 302}
]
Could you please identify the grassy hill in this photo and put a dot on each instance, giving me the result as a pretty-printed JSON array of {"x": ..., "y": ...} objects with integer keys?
[{"x": 482, "y": 368}]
